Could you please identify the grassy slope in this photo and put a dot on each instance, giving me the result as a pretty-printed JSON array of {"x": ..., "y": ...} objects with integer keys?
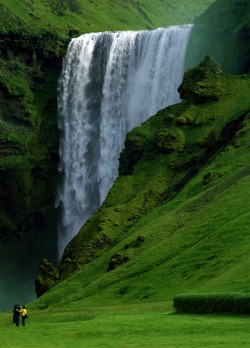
[
  {"x": 197, "y": 239},
  {"x": 59, "y": 17}
]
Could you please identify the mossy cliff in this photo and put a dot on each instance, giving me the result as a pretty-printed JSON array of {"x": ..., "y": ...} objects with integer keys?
[
  {"x": 163, "y": 155},
  {"x": 29, "y": 137},
  {"x": 177, "y": 218},
  {"x": 223, "y": 31}
]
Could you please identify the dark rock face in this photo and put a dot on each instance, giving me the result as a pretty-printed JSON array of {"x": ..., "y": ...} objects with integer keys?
[
  {"x": 29, "y": 137},
  {"x": 134, "y": 151},
  {"x": 29, "y": 142}
]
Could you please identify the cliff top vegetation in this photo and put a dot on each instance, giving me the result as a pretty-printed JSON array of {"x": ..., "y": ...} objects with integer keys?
[{"x": 74, "y": 17}]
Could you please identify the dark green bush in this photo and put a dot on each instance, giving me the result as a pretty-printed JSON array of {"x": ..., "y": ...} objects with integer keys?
[{"x": 212, "y": 303}]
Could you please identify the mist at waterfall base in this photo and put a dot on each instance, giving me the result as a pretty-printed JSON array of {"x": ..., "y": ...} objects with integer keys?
[
  {"x": 110, "y": 83},
  {"x": 19, "y": 262}
]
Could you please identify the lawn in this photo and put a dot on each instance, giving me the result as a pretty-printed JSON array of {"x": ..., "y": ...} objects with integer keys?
[{"x": 152, "y": 325}]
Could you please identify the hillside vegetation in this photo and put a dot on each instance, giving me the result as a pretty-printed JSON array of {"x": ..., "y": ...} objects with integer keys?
[
  {"x": 177, "y": 218},
  {"x": 71, "y": 17},
  {"x": 223, "y": 30}
]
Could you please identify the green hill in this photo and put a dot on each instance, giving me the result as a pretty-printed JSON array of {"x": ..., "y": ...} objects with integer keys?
[
  {"x": 177, "y": 218},
  {"x": 81, "y": 16}
]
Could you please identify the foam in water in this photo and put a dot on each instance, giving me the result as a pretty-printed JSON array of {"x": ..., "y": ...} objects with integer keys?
[{"x": 110, "y": 83}]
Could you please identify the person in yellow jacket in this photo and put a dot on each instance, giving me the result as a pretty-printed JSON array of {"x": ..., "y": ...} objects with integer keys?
[{"x": 24, "y": 315}]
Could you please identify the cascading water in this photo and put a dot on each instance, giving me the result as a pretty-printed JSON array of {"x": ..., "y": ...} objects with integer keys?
[{"x": 110, "y": 83}]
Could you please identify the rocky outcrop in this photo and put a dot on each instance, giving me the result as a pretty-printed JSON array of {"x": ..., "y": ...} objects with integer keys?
[
  {"x": 202, "y": 83},
  {"x": 48, "y": 278},
  {"x": 116, "y": 261}
]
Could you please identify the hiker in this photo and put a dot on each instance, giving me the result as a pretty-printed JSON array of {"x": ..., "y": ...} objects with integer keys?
[
  {"x": 24, "y": 315},
  {"x": 16, "y": 314}
]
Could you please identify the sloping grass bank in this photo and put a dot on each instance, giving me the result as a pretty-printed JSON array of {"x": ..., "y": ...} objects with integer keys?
[{"x": 152, "y": 326}]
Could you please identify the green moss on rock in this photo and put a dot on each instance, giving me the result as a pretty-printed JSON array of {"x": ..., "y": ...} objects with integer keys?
[
  {"x": 169, "y": 140},
  {"x": 29, "y": 138},
  {"x": 134, "y": 150},
  {"x": 202, "y": 83},
  {"x": 116, "y": 261},
  {"x": 137, "y": 243},
  {"x": 48, "y": 278}
]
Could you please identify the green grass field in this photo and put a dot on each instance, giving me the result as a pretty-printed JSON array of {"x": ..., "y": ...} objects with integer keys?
[{"x": 130, "y": 326}]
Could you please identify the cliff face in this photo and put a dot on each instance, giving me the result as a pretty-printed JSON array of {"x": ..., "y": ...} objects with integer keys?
[
  {"x": 29, "y": 70},
  {"x": 162, "y": 156},
  {"x": 29, "y": 135},
  {"x": 223, "y": 31}
]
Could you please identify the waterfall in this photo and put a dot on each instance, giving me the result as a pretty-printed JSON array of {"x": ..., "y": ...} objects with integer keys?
[{"x": 110, "y": 83}]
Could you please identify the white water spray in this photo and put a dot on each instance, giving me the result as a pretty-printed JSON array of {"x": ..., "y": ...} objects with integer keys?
[{"x": 110, "y": 83}]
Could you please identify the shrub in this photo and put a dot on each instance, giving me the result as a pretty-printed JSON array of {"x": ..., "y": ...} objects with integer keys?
[
  {"x": 213, "y": 302},
  {"x": 169, "y": 140}
]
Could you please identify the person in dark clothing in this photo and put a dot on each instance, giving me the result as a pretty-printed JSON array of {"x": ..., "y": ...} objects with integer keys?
[{"x": 16, "y": 314}]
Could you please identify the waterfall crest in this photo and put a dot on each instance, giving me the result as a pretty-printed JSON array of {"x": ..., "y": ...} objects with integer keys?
[{"x": 110, "y": 83}]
